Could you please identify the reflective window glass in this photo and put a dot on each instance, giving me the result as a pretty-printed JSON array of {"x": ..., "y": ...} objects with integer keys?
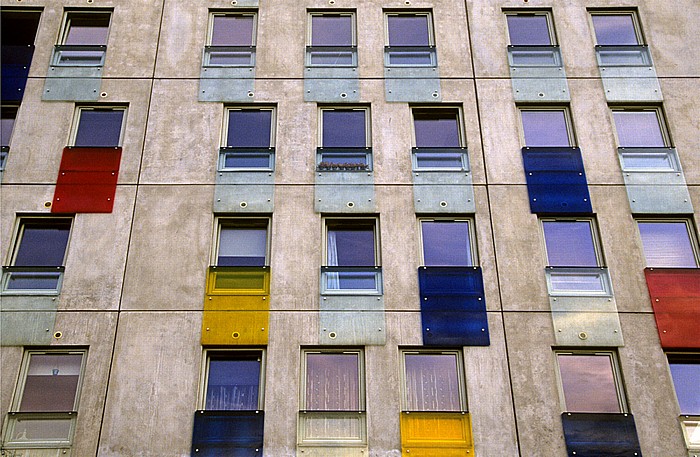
[
  {"x": 7, "y": 124},
  {"x": 249, "y": 128},
  {"x": 351, "y": 246},
  {"x": 408, "y": 30},
  {"x": 332, "y": 382},
  {"x": 545, "y": 128},
  {"x": 528, "y": 29},
  {"x": 436, "y": 128},
  {"x": 432, "y": 382},
  {"x": 589, "y": 383},
  {"x": 87, "y": 29},
  {"x": 344, "y": 128},
  {"x": 232, "y": 30},
  {"x": 641, "y": 129},
  {"x": 685, "y": 371},
  {"x": 446, "y": 243},
  {"x": 242, "y": 243},
  {"x": 615, "y": 29},
  {"x": 42, "y": 243},
  {"x": 51, "y": 383},
  {"x": 233, "y": 382},
  {"x": 331, "y": 30},
  {"x": 99, "y": 127},
  {"x": 667, "y": 244},
  {"x": 569, "y": 244}
]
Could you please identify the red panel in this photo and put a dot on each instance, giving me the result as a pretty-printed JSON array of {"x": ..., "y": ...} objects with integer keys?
[
  {"x": 87, "y": 180},
  {"x": 675, "y": 297}
]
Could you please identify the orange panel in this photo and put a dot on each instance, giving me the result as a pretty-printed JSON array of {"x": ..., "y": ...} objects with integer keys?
[
  {"x": 235, "y": 327},
  {"x": 237, "y": 303},
  {"x": 436, "y": 434}
]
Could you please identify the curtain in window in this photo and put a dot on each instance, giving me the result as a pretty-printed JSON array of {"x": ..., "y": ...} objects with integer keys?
[
  {"x": 332, "y": 382},
  {"x": 332, "y": 278},
  {"x": 432, "y": 383}
]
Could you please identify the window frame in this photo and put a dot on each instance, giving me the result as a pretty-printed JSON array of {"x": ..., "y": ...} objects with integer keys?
[
  {"x": 461, "y": 138},
  {"x": 616, "y": 372},
  {"x": 65, "y": 30},
  {"x": 568, "y": 121},
  {"x": 660, "y": 118},
  {"x": 690, "y": 230},
  {"x": 353, "y": 39},
  {"x": 533, "y": 12},
  {"x": 261, "y": 353},
  {"x": 431, "y": 45},
  {"x": 206, "y": 59},
  {"x": 240, "y": 222},
  {"x": 687, "y": 420},
  {"x": 361, "y": 376},
  {"x": 7, "y": 109},
  {"x": 595, "y": 236},
  {"x": 474, "y": 256},
  {"x": 365, "y": 151},
  {"x": 79, "y": 109},
  {"x": 224, "y": 149},
  {"x": 461, "y": 376}
]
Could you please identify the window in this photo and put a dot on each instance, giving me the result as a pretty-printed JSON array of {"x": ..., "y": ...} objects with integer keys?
[
  {"x": 532, "y": 39},
  {"x": 619, "y": 39},
  {"x": 42, "y": 413},
  {"x": 233, "y": 381},
  {"x": 98, "y": 127},
  {"x": 331, "y": 39},
  {"x": 410, "y": 40},
  {"x": 38, "y": 257},
  {"x": 668, "y": 243},
  {"x": 231, "y": 40},
  {"x": 640, "y": 128},
  {"x": 546, "y": 127},
  {"x": 447, "y": 242},
  {"x": 345, "y": 140},
  {"x": 248, "y": 139},
  {"x": 352, "y": 260},
  {"x": 433, "y": 381},
  {"x": 242, "y": 242},
  {"x": 590, "y": 382},
  {"x": 7, "y": 124},
  {"x": 685, "y": 372},
  {"x": 438, "y": 139},
  {"x": 83, "y": 39}
]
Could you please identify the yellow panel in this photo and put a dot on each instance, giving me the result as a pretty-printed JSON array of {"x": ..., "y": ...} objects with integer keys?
[
  {"x": 238, "y": 281},
  {"x": 237, "y": 302},
  {"x": 235, "y": 327},
  {"x": 423, "y": 432}
]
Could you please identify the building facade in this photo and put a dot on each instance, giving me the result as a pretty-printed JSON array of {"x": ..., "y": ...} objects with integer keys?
[{"x": 336, "y": 228}]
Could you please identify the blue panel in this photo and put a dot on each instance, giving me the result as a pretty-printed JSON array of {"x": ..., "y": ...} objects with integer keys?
[
  {"x": 227, "y": 433},
  {"x": 15, "y": 70},
  {"x": 595, "y": 435},
  {"x": 556, "y": 180},
  {"x": 450, "y": 328},
  {"x": 450, "y": 281}
]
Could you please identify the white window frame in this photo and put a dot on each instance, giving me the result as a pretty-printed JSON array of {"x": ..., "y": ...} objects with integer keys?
[
  {"x": 353, "y": 24},
  {"x": 240, "y": 222},
  {"x": 567, "y": 119},
  {"x": 81, "y": 108},
  {"x": 224, "y": 352},
  {"x": 461, "y": 377},
  {"x": 472, "y": 236}
]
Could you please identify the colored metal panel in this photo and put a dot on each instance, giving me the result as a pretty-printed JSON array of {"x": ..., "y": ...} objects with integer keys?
[
  {"x": 443, "y": 192},
  {"x": 451, "y": 280},
  {"x": 19, "y": 328},
  {"x": 238, "y": 281},
  {"x": 80, "y": 84},
  {"x": 352, "y": 320},
  {"x": 230, "y": 433},
  {"x": 237, "y": 302},
  {"x": 333, "y": 428},
  {"x": 331, "y": 84},
  {"x": 595, "y": 435},
  {"x": 344, "y": 192},
  {"x": 235, "y": 327},
  {"x": 455, "y": 328},
  {"x": 412, "y": 84},
  {"x": 675, "y": 297},
  {"x": 227, "y": 84},
  {"x": 556, "y": 180},
  {"x": 630, "y": 84},
  {"x": 244, "y": 192},
  {"x": 87, "y": 180},
  {"x": 436, "y": 433},
  {"x": 541, "y": 79}
]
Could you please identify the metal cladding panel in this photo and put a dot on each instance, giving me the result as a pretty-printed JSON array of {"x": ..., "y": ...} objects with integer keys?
[
  {"x": 539, "y": 84},
  {"x": 227, "y": 84},
  {"x": 443, "y": 199},
  {"x": 237, "y": 302},
  {"x": 630, "y": 84},
  {"x": 451, "y": 281},
  {"x": 19, "y": 328},
  {"x": 424, "y": 433},
  {"x": 556, "y": 180},
  {"x": 675, "y": 297},
  {"x": 87, "y": 180},
  {"x": 244, "y": 198},
  {"x": 352, "y": 328},
  {"x": 595, "y": 435},
  {"x": 79, "y": 84},
  {"x": 232, "y": 328},
  {"x": 344, "y": 192},
  {"x": 230, "y": 433},
  {"x": 455, "y": 328},
  {"x": 412, "y": 84},
  {"x": 586, "y": 327},
  {"x": 351, "y": 303},
  {"x": 331, "y": 85}
]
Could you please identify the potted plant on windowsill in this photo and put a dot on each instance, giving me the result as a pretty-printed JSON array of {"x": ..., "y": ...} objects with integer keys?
[{"x": 333, "y": 166}]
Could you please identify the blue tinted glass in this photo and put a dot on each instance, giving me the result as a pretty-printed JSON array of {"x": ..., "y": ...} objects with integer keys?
[
  {"x": 344, "y": 128},
  {"x": 528, "y": 30},
  {"x": 99, "y": 128},
  {"x": 569, "y": 244},
  {"x": 446, "y": 243},
  {"x": 436, "y": 129},
  {"x": 351, "y": 247},
  {"x": 228, "y": 433},
  {"x": 686, "y": 380},
  {"x": 42, "y": 245},
  {"x": 7, "y": 123},
  {"x": 247, "y": 160},
  {"x": 249, "y": 128},
  {"x": 615, "y": 29},
  {"x": 233, "y": 384},
  {"x": 328, "y": 30},
  {"x": 596, "y": 435},
  {"x": 545, "y": 128},
  {"x": 408, "y": 30},
  {"x": 87, "y": 29},
  {"x": 232, "y": 31},
  {"x": 448, "y": 328}
]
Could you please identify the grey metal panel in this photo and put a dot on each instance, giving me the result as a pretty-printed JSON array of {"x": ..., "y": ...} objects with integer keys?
[
  {"x": 351, "y": 303},
  {"x": 443, "y": 192},
  {"x": 412, "y": 84},
  {"x": 245, "y": 3},
  {"x": 244, "y": 192},
  {"x": 19, "y": 328},
  {"x": 586, "y": 321},
  {"x": 28, "y": 302},
  {"x": 630, "y": 84},
  {"x": 535, "y": 84},
  {"x": 78, "y": 84},
  {"x": 344, "y": 192},
  {"x": 324, "y": 84},
  {"x": 352, "y": 320},
  {"x": 227, "y": 84}
]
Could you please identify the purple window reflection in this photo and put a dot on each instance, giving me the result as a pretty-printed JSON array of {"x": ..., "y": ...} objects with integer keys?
[
  {"x": 351, "y": 247},
  {"x": 233, "y": 383},
  {"x": 432, "y": 382},
  {"x": 667, "y": 244},
  {"x": 588, "y": 383},
  {"x": 446, "y": 243},
  {"x": 52, "y": 383},
  {"x": 686, "y": 380},
  {"x": 99, "y": 128},
  {"x": 332, "y": 382},
  {"x": 408, "y": 30},
  {"x": 344, "y": 129},
  {"x": 43, "y": 244},
  {"x": 7, "y": 124},
  {"x": 87, "y": 29},
  {"x": 640, "y": 129},
  {"x": 234, "y": 30},
  {"x": 545, "y": 128},
  {"x": 436, "y": 129},
  {"x": 249, "y": 128},
  {"x": 330, "y": 30},
  {"x": 615, "y": 29},
  {"x": 569, "y": 244},
  {"x": 528, "y": 30}
]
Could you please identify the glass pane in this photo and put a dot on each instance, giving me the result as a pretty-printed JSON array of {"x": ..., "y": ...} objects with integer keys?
[
  {"x": 351, "y": 247},
  {"x": 247, "y": 160},
  {"x": 220, "y": 56},
  {"x": 33, "y": 281},
  {"x": 7, "y": 123},
  {"x": 233, "y": 384},
  {"x": 435, "y": 159},
  {"x": 528, "y": 30},
  {"x": 344, "y": 128},
  {"x": 692, "y": 432},
  {"x": 99, "y": 128},
  {"x": 52, "y": 383},
  {"x": 588, "y": 383},
  {"x": 446, "y": 243},
  {"x": 249, "y": 128},
  {"x": 648, "y": 161},
  {"x": 667, "y": 244},
  {"x": 331, "y": 58},
  {"x": 332, "y": 382},
  {"x": 351, "y": 280},
  {"x": 436, "y": 129},
  {"x": 42, "y": 245},
  {"x": 242, "y": 246},
  {"x": 89, "y": 29},
  {"x": 232, "y": 31},
  {"x": 410, "y": 57},
  {"x": 408, "y": 30},
  {"x": 32, "y": 429},
  {"x": 533, "y": 56},
  {"x": 569, "y": 244},
  {"x": 638, "y": 129},
  {"x": 545, "y": 128},
  {"x": 615, "y": 29},
  {"x": 343, "y": 161},
  {"x": 571, "y": 282},
  {"x": 432, "y": 382},
  {"x": 328, "y": 30},
  {"x": 686, "y": 380}
]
